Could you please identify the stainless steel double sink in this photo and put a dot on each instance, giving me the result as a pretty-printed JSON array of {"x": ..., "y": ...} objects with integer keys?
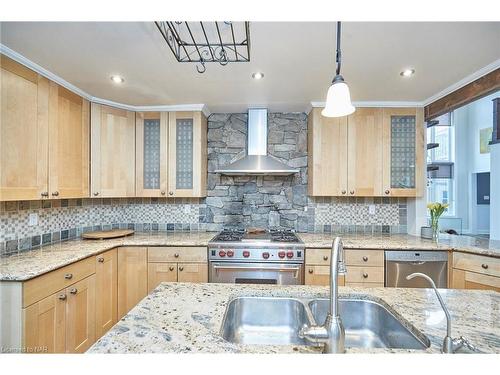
[{"x": 278, "y": 321}]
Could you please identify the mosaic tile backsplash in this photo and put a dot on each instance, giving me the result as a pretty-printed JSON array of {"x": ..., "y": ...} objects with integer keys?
[{"x": 64, "y": 219}]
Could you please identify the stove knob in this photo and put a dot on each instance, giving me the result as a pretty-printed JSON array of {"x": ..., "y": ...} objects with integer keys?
[
  {"x": 289, "y": 254},
  {"x": 230, "y": 253},
  {"x": 265, "y": 255},
  {"x": 246, "y": 254},
  {"x": 281, "y": 254},
  {"x": 222, "y": 253}
]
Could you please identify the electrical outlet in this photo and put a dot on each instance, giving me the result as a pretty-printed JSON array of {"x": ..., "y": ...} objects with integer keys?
[
  {"x": 33, "y": 219},
  {"x": 371, "y": 209}
]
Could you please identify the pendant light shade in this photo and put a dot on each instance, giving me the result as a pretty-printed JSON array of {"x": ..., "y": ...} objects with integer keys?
[{"x": 338, "y": 99}]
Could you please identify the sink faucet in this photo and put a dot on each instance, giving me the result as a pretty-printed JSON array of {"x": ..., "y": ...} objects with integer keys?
[
  {"x": 449, "y": 345},
  {"x": 331, "y": 333}
]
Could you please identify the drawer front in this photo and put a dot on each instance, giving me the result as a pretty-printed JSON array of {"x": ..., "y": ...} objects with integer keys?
[
  {"x": 42, "y": 286},
  {"x": 358, "y": 274},
  {"x": 320, "y": 257},
  {"x": 320, "y": 275},
  {"x": 366, "y": 285},
  {"x": 177, "y": 254},
  {"x": 477, "y": 263},
  {"x": 160, "y": 272},
  {"x": 372, "y": 258},
  {"x": 192, "y": 272}
]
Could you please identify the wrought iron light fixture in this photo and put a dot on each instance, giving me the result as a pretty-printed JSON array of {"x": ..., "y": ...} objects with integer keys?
[
  {"x": 203, "y": 42},
  {"x": 338, "y": 98}
]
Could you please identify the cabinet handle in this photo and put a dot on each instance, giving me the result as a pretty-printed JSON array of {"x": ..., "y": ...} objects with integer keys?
[
  {"x": 100, "y": 260},
  {"x": 343, "y": 192},
  {"x": 62, "y": 297},
  {"x": 181, "y": 268},
  {"x": 73, "y": 290},
  {"x": 55, "y": 194},
  {"x": 365, "y": 259},
  {"x": 352, "y": 192},
  {"x": 171, "y": 268},
  {"x": 310, "y": 270},
  {"x": 162, "y": 192},
  {"x": 68, "y": 276},
  {"x": 387, "y": 192},
  {"x": 96, "y": 193},
  {"x": 325, "y": 257},
  {"x": 365, "y": 275},
  {"x": 44, "y": 194},
  {"x": 485, "y": 266},
  {"x": 170, "y": 193},
  {"x": 176, "y": 255}
]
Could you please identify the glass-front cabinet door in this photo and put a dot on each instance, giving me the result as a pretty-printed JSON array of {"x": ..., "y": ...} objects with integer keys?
[
  {"x": 151, "y": 154},
  {"x": 187, "y": 161},
  {"x": 403, "y": 172}
]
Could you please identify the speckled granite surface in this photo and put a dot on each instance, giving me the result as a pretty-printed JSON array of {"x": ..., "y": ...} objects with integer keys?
[
  {"x": 186, "y": 318},
  {"x": 37, "y": 262},
  {"x": 405, "y": 242}
]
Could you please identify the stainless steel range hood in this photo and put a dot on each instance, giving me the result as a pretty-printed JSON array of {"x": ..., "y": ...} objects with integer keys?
[{"x": 257, "y": 162}]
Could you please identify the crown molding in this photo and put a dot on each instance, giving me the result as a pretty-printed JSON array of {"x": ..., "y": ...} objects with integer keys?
[
  {"x": 374, "y": 104},
  {"x": 60, "y": 81}
]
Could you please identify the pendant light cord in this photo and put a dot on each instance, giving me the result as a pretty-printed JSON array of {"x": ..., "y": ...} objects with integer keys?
[{"x": 339, "y": 54}]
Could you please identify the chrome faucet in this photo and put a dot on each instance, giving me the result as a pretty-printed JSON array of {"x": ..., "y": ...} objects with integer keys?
[
  {"x": 450, "y": 345},
  {"x": 331, "y": 333}
]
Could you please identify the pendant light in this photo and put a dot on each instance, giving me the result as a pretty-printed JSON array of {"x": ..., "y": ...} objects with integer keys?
[{"x": 338, "y": 98}]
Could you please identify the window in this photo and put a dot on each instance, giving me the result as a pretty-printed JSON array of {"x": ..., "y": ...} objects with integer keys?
[{"x": 441, "y": 189}]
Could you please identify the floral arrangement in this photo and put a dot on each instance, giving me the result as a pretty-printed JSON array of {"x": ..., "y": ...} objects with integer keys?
[{"x": 436, "y": 209}]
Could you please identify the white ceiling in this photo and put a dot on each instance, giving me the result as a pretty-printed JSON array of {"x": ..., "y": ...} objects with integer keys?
[{"x": 297, "y": 59}]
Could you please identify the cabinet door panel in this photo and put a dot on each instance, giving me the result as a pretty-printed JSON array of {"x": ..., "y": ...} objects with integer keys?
[
  {"x": 113, "y": 152},
  {"x": 471, "y": 280},
  {"x": 45, "y": 325},
  {"x": 160, "y": 272},
  {"x": 80, "y": 315},
  {"x": 320, "y": 275},
  {"x": 68, "y": 144},
  {"x": 106, "y": 291},
  {"x": 23, "y": 132},
  {"x": 365, "y": 150},
  {"x": 132, "y": 278},
  {"x": 192, "y": 272},
  {"x": 327, "y": 155}
]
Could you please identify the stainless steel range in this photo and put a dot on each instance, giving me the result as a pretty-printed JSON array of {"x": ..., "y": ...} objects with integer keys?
[{"x": 271, "y": 257}]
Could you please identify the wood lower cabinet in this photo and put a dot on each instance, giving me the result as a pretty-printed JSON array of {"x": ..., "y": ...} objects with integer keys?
[
  {"x": 106, "y": 297},
  {"x": 320, "y": 275},
  {"x": 132, "y": 277},
  {"x": 472, "y": 271},
  {"x": 192, "y": 272},
  {"x": 471, "y": 280},
  {"x": 161, "y": 272}
]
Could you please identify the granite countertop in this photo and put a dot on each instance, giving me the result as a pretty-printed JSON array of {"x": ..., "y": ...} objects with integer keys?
[
  {"x": 30, "y": 264},
  {"x": 186, "y": 318},
  {"x": 405, "y": 242},
  {"x": 33, "y": 263}
]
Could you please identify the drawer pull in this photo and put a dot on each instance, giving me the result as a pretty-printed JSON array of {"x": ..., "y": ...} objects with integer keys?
[
  {"x": 365, "y": 275},
  {"x": 176, "y": 255},
  {"x": 387, "y": 192},
  {"x": 325, "y": 257},
  {"x": 343, "y": 192},
  {"x": 100, "y": 260},
  {"x": 73, "y": 290},
  {"x": 62, "y": 297},
  {"x": 352, "y": 192},
  {"x": 365, "y": 259},
  {"x": 171, "y": 268},
  {"x": 485, "y": 266},
  {"x": 68, "y": 276},
  {"x": 181, "y": 268},
  {"x": 310, "y": 270}
]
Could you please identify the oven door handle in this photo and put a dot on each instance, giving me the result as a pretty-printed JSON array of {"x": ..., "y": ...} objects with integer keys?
[{"x": 232, "y": 268}]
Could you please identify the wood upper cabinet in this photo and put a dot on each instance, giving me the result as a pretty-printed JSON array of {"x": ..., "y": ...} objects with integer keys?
[
  {"x": 80, "y": 315},
  {"x": 106, "y": 296},
  {"x": 69, "y": 134},
  {"x": 327, "y": 156},
  {"x": 403, "y": 172},
  {"x": 24, "y": 119},
  {"x": 151, "y": 139},
  {"x": 365, "y": 150},
  {"x": 132, "y": 278},
  {"x": 112, "y": 152},
  {"x": 187, "y": 154}
]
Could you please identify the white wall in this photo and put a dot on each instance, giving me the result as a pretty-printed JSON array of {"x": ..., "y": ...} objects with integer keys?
[{"x": 495, "y": 192}]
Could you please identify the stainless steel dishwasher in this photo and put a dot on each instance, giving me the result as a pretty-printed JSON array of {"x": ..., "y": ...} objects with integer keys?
[{"x": 399, "y": 264}]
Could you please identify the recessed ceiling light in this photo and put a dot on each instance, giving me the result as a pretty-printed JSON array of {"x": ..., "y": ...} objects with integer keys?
[
  {"x": 258, "y": 75},
  {"x": 407, "y": 72},
  {"x": 117, "y": 79}
]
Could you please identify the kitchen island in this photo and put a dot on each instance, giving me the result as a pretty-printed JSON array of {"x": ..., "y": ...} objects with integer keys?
[{"x": 187, "y": 318}]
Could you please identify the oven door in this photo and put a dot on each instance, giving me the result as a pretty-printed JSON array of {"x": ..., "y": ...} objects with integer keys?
[{"x": 256, "y": 273}]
